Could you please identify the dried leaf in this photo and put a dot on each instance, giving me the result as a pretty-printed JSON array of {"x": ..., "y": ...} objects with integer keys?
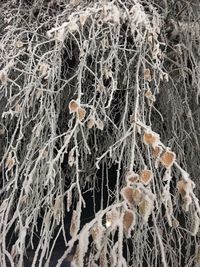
[
  {"x": 127, "y": 193},
  {"x": 81, "y": 114},
  {"x": 147, "y": 75},
  {"x": 146, "y": 176},
  {"x": 74, "y": 227},
  {"x": 131, "y": 177},
  {"x": 10, "y": 162},
  {"x": 19, "y": 44},
  {"x": 145, "y": 208},
  {"x": 90, "y": 122},
  {"x": 83, "y": 19},
  {"x": 112, "y": 218},
  {"x": 2, "y": 131},
  {"x": 99, "y": 124},
  {"x": 151, "y": 138},
  {"x": 137, "y": 196},
  {"x": 3, "y": 77},
  {"x": 128, "y": 221},
  {"x": 156, "y": 151},
  {"x": 168, "y": 159},
  {"x": 73, "y": 106},
  {"x": 71, "y": 158},
  {"x": 57, "y": 207},
  {"x": 43, "y": 69}
]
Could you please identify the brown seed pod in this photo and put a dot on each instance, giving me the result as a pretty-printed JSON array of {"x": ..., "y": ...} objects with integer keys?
[
  {"x": 128, "y": 221},
  {"x": 81, "y": 114},
  {"x": 151, "y": 138},
  {"x": 168, "y": 159},
  {"x": 146, "y": 176},
  {"x": 73, "y": 106}
]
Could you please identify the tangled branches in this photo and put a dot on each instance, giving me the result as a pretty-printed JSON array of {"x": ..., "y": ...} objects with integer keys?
[{"x": 86, "y": 86}]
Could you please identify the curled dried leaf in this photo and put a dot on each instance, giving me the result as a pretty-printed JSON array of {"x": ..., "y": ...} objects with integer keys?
[
  {"x": 81, "y": 114},
  {"x": 168, "y": 158},
  {"x": 151, "y": 138},
  {"x": 73, "y": 106},
  {"x": 146, "y": 176}
]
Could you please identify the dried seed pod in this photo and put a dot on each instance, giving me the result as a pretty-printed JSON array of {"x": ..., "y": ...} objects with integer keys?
[
  {"x": 151, "y": 138},
  {"x": 146, "y": 176},
  {"x": 147, "y": 75},
  {"x": 131, "y": 177},
  {"x": 73, "y": 106},
  {"x": 146, "y": 208},
  {"x": 81, "y": 114},
  {"x": 127, "y": 193},
  {"x": 137, "y": 196},
  {"x": 128, "y": 222},
  {"x": 168, "y": 159}
]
